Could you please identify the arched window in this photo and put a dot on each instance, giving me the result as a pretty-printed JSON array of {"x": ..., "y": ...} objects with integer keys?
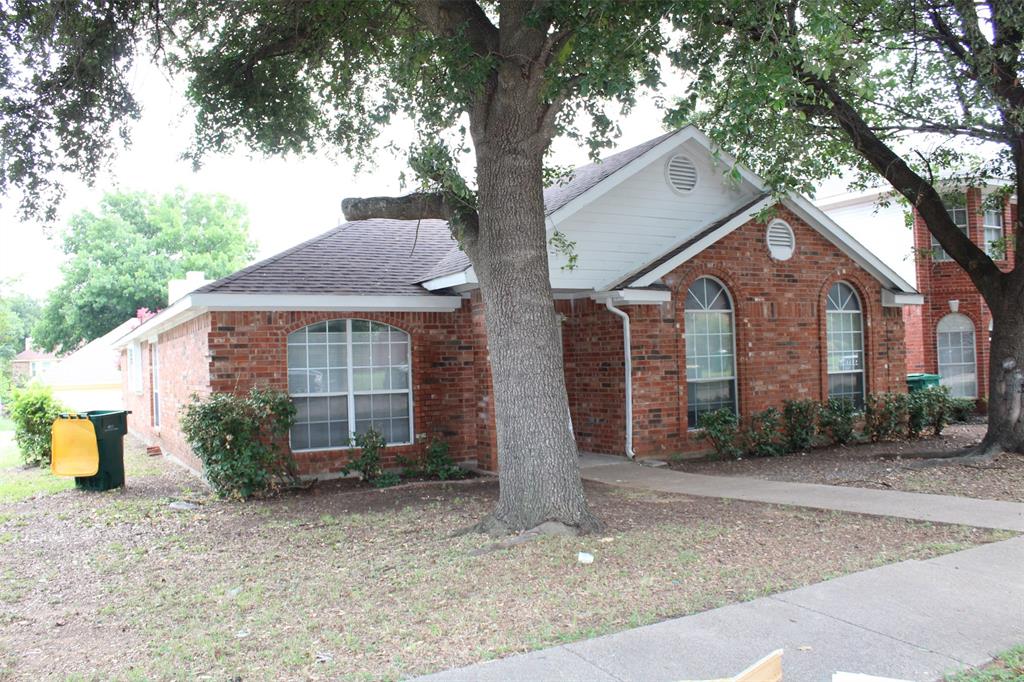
[
  {"x": 710, "y": 350},
  {"x": 958, "y": 367},
  {"x": 345, "y": 377},
  {"x": 844, "y": 325}
]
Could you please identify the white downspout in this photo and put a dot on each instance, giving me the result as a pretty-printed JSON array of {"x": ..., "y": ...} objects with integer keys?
[{"x": 627, "y": 347}]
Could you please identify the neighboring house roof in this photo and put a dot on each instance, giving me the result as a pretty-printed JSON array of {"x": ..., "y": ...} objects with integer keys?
[
  {"x": 93, "y": 364},
  {"x": 361, "y": 257},
  {"x": 32, "y": 355}
]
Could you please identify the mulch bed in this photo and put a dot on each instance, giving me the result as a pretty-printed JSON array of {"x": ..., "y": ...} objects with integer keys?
[{"x": 886, "y": 466}]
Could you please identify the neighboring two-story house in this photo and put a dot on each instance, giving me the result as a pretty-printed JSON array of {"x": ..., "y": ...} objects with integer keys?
[{"x": 949, "y": 334}]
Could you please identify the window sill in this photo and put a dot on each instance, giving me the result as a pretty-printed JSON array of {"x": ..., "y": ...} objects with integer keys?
[{"x": 345, "y": 447}]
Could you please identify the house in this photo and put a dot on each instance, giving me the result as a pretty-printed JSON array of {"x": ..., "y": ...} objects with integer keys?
[
  {"x": 948, "y": 335},
  {"x": 90, "y": 378},
  {"x": 30, "y": 363},
  {"x": 380, "y": 322}
]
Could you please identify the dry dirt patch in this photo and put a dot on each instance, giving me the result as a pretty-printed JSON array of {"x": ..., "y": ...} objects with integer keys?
[
  {"x": 349, "y": 583},
  {"x": 886, "y": 466}
]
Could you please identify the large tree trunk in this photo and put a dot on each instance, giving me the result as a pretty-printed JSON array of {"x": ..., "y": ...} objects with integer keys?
[
  {"x": 538, "y": 466},
  {"x": 1006, "y": 379}
]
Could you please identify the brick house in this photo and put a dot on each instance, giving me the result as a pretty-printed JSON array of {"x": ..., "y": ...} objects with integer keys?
[
  {"x": 949, "y": 334},
  {"x": 380, "y": 322}
]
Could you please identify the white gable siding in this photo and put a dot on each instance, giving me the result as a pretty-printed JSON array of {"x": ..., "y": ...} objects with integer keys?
[
  {"x": 882, "y": 230},
  {"x": 641, "y": 218}
]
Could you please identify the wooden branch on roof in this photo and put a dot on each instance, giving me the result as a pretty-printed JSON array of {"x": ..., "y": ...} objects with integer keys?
[{"x": 417, "y": 206}]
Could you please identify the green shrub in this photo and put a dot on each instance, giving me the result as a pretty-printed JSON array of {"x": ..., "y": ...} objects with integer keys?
[
  {"x": 961, "y": 409},
  {"x": 722, "y": 428},
  {"x": 33, "y": 410},
  {"x": 436, "y": 463},
  {"x": 927, "y": 408},
  {"x": 368, "y": 462},
  {"x": 765, "y": 434},
  {"x": 939, "y": 413},
  {"x": 800, "y": 418},
  {"x": 837, "y": 418},
  {"x": 884, "y": 415},
  {"x": 233, "y": 436}
]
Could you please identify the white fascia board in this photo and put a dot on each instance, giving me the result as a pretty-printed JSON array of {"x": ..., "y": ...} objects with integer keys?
[
  {"x": 831, "y": 230},
  {"x": 456, "y": 280},
  {"x": 898, "y": 299},
  {"x": 695, "y": 248},
  {"x": 621, "y": 175},
  {"x": 634, "y": 296},
  {"x": 194, "y": 305},
  {"x": 730, "y": 160},
  {"x": 181, "y": 311},
  {"x": 430, "y": 303}
]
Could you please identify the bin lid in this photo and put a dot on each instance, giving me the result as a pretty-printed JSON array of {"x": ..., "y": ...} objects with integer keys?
[{"x": 74, "y": 451}]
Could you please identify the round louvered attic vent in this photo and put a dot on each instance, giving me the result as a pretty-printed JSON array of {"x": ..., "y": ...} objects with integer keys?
[
  {"x": 681, "y": 173},
  {"x": 781, "y": 241}
]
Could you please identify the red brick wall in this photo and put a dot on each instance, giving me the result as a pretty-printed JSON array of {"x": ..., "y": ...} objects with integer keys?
[
  {"x": 913, "y": 320},
  {"x": 945, "y": 281},
  {"x": 249, "y": 349},
  {"x": 780, "y": 340},
  {"x": 184, "y": 371}
]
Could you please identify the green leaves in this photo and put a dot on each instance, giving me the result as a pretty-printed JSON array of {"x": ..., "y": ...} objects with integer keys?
[{"x": 122, "y": 256}]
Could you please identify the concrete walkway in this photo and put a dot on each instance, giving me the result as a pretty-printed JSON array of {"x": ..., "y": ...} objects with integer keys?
[
  {"x": 915, "y": 620},
  {"x": 937, "y": 508}
]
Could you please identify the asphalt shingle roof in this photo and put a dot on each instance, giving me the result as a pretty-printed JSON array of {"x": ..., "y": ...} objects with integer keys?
[{"x": 361, "y": 257}]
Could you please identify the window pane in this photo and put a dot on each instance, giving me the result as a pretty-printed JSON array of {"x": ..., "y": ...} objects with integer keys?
[
  {"x": 297, "y": 356},
  {"x": 297, "y": 382},
  {"x": 707, "y": 397},
  {"x": 319, "y": 435},
  {"x": 399, "y": 405},
  {"x": 317, "y": 356},
  {"x": 400, "y": 430},
  {"x": 849, "y": 386},
  {"x": 361, "y": 379},
  {"x": 300, "y": 437}
]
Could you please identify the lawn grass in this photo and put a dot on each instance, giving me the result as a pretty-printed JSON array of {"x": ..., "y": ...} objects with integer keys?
[
  {"x": 344, "y": 583},
  {"x": 19, "y": 483},
  {"x": 1007, "y": 667}
]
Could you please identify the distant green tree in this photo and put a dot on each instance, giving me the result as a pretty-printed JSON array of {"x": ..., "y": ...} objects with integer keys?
[
  {"x": 122, "y": 256},
  {"x": 18, "y": 313}
]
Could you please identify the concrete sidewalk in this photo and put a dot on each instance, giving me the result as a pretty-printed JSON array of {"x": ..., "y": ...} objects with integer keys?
[
  {"x": 938, "y": 508},
  {"x": 914, "y": 620}
]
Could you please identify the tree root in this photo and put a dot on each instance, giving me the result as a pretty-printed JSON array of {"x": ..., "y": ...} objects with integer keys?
[
  {"x": 494, "y": 527},
  {"x": 978, "y": 454},
  {"x": 863, "y": 480}
]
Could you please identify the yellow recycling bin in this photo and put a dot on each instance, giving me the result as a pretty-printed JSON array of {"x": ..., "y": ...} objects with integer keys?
[{"x": 74, "y": 448}]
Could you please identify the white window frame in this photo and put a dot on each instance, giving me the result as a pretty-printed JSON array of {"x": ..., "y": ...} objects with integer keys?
[
  {"x": 974, "y": 349},
  {"x": 687, "y": 339},
  {"x": 863, "y": 371},
  {"x": 154, "y": 389},
  {"x": 134, "y": 360},
  {"x": 956, "y": 213},
  {"x": 351, "y": 393},
  {"x": 995, "y": 212}
]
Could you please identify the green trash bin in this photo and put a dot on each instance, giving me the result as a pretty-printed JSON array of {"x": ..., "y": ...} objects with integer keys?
[
  {"x": 111, "y": 426},
  {"x": 920, "y": 381}
]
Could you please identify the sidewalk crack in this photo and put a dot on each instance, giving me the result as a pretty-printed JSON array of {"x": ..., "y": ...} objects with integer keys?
[{"x": 586, "y": 660}]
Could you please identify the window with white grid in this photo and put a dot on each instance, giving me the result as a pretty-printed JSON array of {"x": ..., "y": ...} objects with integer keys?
[
  {"x": 346, "y": 377},
  {"x": 958, "y": 214},
  {"x": 958, "y": 367},
  {"x": 710, "y": 350},
  {"x": 844, "y": 331},
  {"x": 994, "y": 246}
]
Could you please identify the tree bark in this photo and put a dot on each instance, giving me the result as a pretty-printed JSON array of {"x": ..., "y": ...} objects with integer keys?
[
  {"x": 538, "y": 462},
  {"x": 1006, "y": 381}
]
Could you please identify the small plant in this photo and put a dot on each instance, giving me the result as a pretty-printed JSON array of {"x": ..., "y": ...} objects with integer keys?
[
  {"x": 234, "y": 435},
  {"x": 438, "y": 463},
  {"x": 368, "y": 462},
  {"x": 837, "y": 418},
  {"x": 33, "y": 410},
  {"x": 765, "y": 434},
  {"x": 961, "y": 409},
  {"x": 800, "y": 418},
  {"x": 884, "y": 414},
  {"x": 939, "y": 412},
  {"x": 721, "y": 427}
]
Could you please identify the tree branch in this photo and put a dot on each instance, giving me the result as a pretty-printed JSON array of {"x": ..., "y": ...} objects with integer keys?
[
  {"x": 448, "y": 17},
  {"x": 417, "y": 206}
]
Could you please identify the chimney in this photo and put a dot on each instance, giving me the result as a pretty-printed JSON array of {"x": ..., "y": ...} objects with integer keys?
[
  {"x": 28, "y": 343},
  {"x": 179, "y": 288}
]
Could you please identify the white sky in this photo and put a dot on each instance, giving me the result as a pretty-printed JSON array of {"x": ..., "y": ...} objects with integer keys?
[{"x": 289, "y": 200}]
